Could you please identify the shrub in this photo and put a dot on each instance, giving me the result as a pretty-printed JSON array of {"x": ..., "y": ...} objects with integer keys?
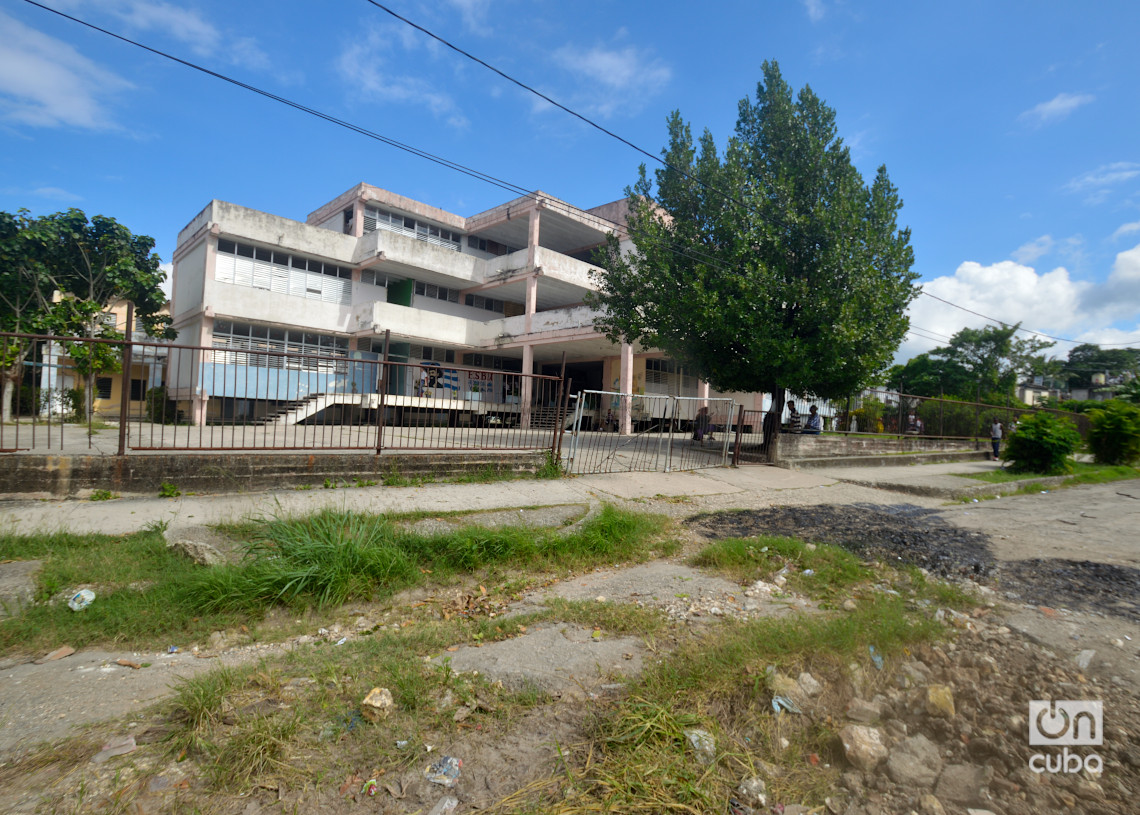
[
  {"x": 1114, "y": 433},
  {"x": 1042, "y": 444},
  {"x": 159, "y": 408}
]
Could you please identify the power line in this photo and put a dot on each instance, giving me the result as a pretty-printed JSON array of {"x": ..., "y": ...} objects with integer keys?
[
  {"x": 644, "y": 152},
  {"x": 556, "y": 104},
  {"x": 1026, "y": 330},
  {"x": 677, "y": 249},
  {"x": 683, "y": 251}
]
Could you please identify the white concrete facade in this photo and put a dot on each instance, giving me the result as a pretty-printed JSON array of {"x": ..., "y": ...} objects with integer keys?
[{"x": 507, "y": 284}]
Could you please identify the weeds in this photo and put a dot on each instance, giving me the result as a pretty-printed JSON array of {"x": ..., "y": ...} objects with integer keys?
[
  {"x": 198, "y": 704},
  {"x": 145, "y": 594},
  {"x": 256, "y": 748},
  {"x": 135, "y": 579},
  {"x": 550, "y": 468},
  {"x": 818, "y": 570},
  {"x": 168, "y": 490},
  {"x": 638, "y": 759},
  {"x": 102, "y": 495}
]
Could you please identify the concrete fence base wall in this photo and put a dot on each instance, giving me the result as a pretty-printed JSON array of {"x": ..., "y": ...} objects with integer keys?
[
  {"x": 800, "y": 446},
  {"x": 36, "y": 476}
]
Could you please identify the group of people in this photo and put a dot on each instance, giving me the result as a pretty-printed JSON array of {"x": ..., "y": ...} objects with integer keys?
[{"x": 796, "y": 424}]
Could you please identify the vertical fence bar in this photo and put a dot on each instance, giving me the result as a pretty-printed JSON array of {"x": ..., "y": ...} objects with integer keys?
[
  {"x": 739, "y": 436},
  {"x": 382, "y": 387},
  {"x": 556, "y": 455},
  {"x": 125, "y": 388}
]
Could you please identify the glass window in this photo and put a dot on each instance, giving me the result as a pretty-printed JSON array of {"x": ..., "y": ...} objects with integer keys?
[{"x": 229, "y": 247}]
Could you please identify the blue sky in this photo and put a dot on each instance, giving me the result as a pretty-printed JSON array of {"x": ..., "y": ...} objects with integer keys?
[{"x": 1010, "y": 128}]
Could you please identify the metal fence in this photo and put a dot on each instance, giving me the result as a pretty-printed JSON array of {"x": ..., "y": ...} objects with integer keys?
[
  {"x": 899, "y": 414},
  {"x": 165, "y": 396},
  {"x": 882, "y": 413},
  {"x": 667, "y": 433}
]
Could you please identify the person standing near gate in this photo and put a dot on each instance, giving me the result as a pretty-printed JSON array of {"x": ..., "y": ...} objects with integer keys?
[{"x": 995, "y": 438}]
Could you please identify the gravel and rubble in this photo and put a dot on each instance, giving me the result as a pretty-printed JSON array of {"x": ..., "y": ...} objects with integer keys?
[{"x": 945, "y": 729}]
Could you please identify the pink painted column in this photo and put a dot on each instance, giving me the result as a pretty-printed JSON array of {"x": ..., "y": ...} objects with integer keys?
[
  {"x": 358, "y": 219},
  {"x": 527, "y": 387},
  {"x": 531, "y": 301},
  {"x": 703, "y": 392},
  {"x": 625, "y": 417},
  {"x": 532, "y": 242},
  {"x": 200, "y": 396}
]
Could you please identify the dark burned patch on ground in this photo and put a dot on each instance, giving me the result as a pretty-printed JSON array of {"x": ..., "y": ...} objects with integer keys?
[
  {"x": 1083, "y": 584},
  {"x": 893, "y": 534},
  {"x": 904, "y": 533}
]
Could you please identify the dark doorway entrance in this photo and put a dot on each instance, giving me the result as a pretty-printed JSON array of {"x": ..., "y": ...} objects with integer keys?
[{"x": 583, "y": 376}]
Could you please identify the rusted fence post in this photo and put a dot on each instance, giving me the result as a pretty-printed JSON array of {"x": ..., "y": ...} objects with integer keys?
[{"x": 125, "y": 388}]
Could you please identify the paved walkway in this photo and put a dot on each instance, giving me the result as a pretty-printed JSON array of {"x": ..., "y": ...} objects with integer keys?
[
  {"x": 740, "y": 486},
  {"x": 934, "y": 480}
]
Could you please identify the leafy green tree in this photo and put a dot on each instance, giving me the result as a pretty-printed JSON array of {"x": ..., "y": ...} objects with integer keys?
[
  {"x": 25, "y": 298},
  {"x": 1130, "y": 392},
  {"x": 978, "y": 363},
  {"x": 1042, "y": 444},
  {"x": 928, "y": 375},
  {"x": 1114, "y": 432},
  {"x": 993, "y": 359},
  {"x": 91, "y": 264},
  {"x": 1088, "y": 359},
  {"x": 770, "y": 267}
]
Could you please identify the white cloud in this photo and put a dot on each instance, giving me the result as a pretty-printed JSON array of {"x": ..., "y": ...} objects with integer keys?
[
  {"x": 814, "y": 9},
  {"x": 1057, "y": 108},
  {"x": 1095, "y": 185},
  {"x": 56, "y": 194},
  {"x": 474, "y": 14},
  {"x": 612, "y": 79},
  {"x": 363, "y": 63},
  {"x": 1105, "y": 175},
  {"x": 44, "y": 82},
  {"x": 1029, "y": 252},
  {"x": 185, "y": 25},
  {"x": 1014, "y": 292},
  {"x": 1126, "y": 229}
]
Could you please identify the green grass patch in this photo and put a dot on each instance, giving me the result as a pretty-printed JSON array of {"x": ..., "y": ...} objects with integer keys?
[
  {"x": 833, "y": 570},
  {"x": 247, "y": 725},
  {"x": 137, "y": 593},
  {"x": 148, "y": 597},
  {"x": 331, "y": 557},
  {"x": 639, "y": 759},
  {"x": 1082, "y": 472}
]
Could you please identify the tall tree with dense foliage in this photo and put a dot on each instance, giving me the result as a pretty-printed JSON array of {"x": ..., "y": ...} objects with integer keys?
[
  {"x": 770, "y": 267},
  {"x": 60, "y": 272},
  {"x": 978, "y": 362},
  {"x": 1089, "y": 359}
]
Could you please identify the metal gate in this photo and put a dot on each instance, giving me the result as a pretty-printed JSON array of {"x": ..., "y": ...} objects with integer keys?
[{"x": 668, "y": 433}]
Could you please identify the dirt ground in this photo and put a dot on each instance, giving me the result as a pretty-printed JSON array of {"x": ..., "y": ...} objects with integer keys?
[{"x": 1064, "y": 569}]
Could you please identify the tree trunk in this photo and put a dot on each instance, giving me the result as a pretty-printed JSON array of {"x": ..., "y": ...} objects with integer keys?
[
  {"x": 6, "y": 399},
  {"x": 771, "y": 426},
  {"x": 89, "y": 397}
]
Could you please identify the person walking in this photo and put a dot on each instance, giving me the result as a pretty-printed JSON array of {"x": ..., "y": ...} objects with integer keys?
[{"x": 995, "y": 438}]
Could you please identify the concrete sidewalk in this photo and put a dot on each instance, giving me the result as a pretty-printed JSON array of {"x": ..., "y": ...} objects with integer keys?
[
  {"x": 124, "y": 515},
  {"x": 932, "y": 480},
  {"x": 742, "y": 485}
]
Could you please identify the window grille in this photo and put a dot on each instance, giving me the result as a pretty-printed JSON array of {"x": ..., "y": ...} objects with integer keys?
[{"x": 258, "y": 268}]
